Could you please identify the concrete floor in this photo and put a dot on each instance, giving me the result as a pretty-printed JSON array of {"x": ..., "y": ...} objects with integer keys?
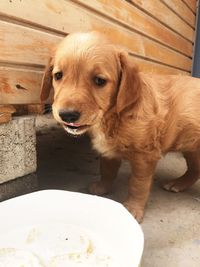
[{"x": 172, "y": 221}]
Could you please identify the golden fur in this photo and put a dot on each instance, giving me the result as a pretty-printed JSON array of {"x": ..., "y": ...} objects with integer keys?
[{"x": 134, "y": 116}]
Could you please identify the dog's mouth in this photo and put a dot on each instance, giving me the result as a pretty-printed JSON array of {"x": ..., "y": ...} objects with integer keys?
[{"x": 75, "y": 129}]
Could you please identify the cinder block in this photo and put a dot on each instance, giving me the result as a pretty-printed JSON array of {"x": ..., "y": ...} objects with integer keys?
[{"x": 17, "y": 148}]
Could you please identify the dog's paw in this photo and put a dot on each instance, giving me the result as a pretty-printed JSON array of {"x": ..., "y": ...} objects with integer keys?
[
  {"x": 182, "y": 183},
  {"x": 137, "y": 212},
  {"x": 98, "y": 188},
  {"x": 172, "y": 186},
  {"x": 177, "y": 185}
]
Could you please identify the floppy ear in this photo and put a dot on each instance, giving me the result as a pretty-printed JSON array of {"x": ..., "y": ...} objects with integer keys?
[
  {"x": 130, "y": 84},
  {"x": 46, "y": 81}
]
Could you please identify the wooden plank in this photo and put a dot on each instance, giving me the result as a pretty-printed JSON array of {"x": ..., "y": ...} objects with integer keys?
[
  {"x": 20, "y": 44},
  {"x": 7, "y": 109},
  {"x": 162, "y": 13},
  {"x": 135, "y": 19},
  {"x": 5, "y": 117},
  {"x": 151, "y": 67},
  {"x": 36, "y": 109},
  {"x": 143, "y": 47},
  {"x": 21, "y": 110},
  {"x": 19, "y": 86},
  {"x": 35, "y": 46},
  {"x": 29, "y": 109},
  {"x": 30, "y": 81},
  {"x": 182, "y": 10},
  {"x": 192, "y": 4},
  {"x": 49, "y": 14},
  {"x": 6, "y": 112},
  {"x": 66, "y": 17}
]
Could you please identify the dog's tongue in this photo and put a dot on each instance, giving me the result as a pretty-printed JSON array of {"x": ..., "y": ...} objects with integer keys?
[{"x": 73, "y": 124}]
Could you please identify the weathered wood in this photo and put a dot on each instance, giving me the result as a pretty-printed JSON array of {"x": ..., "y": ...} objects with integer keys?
[
  {"x": 7, "y": 109},
  {"x": 162, "y": 13},
  {"x": 25, "y": 45},
  {"x": 182, "y": 10},
  {"x": 5, "y": 117},
  {"x": 67, "y": 17},
  {"x": 31, "y": 82},
  {"x": 151, "y": 67},
  {"x": 131, "y": 17},
  {"x": 192, "y": 4},
  {"x": 36, "y": 109},
  {"x": 19, "y": 86},
  {"x": 29, "y": 109},
  {"x": 34, "y": 49},
  {"x": 54, "y": 14},
  {"x": 6, "y": 112}
]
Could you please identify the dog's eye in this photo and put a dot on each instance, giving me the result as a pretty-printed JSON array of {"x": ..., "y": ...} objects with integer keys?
[
  {"x": 58, "y": 75},
  {"x": 99, "y": 81}
]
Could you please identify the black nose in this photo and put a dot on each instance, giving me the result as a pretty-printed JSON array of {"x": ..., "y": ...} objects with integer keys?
[{"x": 69, "y": 116}]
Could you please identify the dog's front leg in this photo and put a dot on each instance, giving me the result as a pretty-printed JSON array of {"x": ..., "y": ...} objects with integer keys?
[
  {"x": 108, "y": 170},
  {"x": 139, "y": 185}
]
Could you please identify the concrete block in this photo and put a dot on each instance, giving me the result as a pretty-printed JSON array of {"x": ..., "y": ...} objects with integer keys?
[{"x": 17, "y": 148}]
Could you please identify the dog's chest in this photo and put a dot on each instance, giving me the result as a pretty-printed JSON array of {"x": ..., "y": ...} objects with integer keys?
[{"x": 104, "y": 145}]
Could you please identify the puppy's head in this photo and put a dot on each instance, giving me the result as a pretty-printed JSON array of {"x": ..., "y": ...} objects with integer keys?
[{"x": 89, "y": 76}]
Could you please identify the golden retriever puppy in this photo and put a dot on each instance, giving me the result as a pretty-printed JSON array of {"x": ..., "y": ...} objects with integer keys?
[{"x": 129, "y": 115}]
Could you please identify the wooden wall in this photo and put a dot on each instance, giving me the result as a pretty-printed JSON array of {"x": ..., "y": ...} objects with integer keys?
[{"x": 159, "y": 34}]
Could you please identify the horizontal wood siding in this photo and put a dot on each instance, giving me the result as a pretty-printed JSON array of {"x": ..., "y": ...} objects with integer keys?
[
  {"x": 191, "y": 4},
  {"x": 158, "y": 34}
]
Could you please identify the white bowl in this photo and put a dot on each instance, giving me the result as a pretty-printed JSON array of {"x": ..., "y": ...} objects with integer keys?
[{"x": 87, "y": 218}]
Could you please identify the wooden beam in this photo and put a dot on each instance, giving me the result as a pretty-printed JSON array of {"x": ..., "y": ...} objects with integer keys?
[{"x": 6, "y": 112}]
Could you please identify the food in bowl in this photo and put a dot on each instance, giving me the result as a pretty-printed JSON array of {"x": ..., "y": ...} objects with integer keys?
[
  {"x": 55, "y": 245},
  {"x": 12, "y": 257}
]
